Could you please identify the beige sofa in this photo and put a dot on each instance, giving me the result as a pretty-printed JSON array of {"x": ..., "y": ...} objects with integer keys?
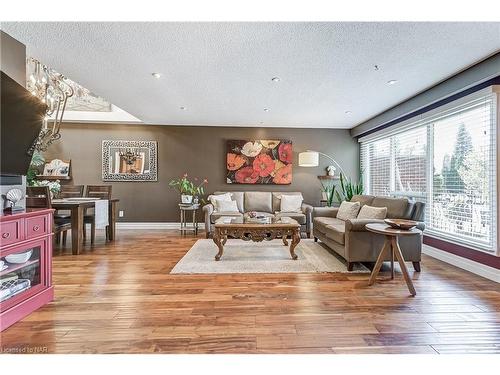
[
  {"x": 354, "y": 243},
  {"x": 264, "y": 203}
]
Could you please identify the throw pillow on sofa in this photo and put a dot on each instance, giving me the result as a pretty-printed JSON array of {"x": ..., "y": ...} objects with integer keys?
[
  {"x": 348, "y": 210},
  {"x": 227, "y": 206},
  {"x": 291, "y": 203},
  {"x": 220, "y": 197},
  {"x": 370, "y": 212}
]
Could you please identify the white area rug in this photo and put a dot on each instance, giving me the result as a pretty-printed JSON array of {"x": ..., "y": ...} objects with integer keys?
[{"x": 262, "y": 257}]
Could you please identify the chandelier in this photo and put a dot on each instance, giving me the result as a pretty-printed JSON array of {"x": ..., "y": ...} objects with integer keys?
[
  {"x": 53, "y": 90},
  {"x": 129, "y": 156}
]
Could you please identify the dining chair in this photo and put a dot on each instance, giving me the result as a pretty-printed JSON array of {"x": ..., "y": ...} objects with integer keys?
[
  {"x": 95, "y": 191},
  {"x": 68, "y": 191},
  {"x": 39, "y": 197}
]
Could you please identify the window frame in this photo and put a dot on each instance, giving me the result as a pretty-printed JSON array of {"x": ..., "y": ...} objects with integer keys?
[{"x": 427, "y": 120}]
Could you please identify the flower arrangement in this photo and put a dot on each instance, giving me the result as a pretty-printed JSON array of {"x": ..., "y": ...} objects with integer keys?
[
  {"x": 259, "y": 162},
  {"x": 188, "y": 188}
]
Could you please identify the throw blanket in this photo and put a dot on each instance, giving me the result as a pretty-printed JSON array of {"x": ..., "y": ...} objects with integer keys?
[{"x": 101, "y": 213}]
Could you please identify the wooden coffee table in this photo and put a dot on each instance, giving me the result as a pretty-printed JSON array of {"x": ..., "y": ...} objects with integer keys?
[
  {"x": 249, "y": 231},
  {"x": 392, "y": 244}
]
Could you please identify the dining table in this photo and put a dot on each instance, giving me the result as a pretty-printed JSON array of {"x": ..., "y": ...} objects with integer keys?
[{"x": 77, "y": 208}]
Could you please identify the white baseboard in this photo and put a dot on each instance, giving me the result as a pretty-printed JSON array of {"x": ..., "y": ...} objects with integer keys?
[
  {"x": 464, "y": 263},
  {"x": 152, "y": 225}
]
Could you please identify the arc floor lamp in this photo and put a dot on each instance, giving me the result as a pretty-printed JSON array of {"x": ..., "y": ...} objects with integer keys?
[{"x": 310, "y": 158}]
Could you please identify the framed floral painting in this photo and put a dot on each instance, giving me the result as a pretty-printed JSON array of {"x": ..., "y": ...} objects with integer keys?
[{"x": 266, "y": 161}]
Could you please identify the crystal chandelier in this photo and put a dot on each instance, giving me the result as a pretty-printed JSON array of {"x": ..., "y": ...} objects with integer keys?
[
  {"x": 129, "y": 156},
  {"x": 53, "y": 90}
]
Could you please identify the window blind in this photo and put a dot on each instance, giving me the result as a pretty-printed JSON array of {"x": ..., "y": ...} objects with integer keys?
[{"x": 446, "y": 159}]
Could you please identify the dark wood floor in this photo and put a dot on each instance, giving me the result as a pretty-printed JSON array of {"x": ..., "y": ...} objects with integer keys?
[{"x": 120, "y": 297}]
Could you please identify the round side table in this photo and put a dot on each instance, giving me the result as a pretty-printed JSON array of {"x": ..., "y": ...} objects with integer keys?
[
  {"x": 184, "y": 224},
  {"x": 392, "y": 244}
]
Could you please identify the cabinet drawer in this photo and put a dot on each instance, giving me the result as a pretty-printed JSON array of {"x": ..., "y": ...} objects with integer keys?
[
  {"x": 37, "y": 226},
  {"x": 11, "y": 231}
]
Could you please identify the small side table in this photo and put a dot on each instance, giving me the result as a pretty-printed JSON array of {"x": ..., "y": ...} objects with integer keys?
[
  {"x": 392, "y": 244},
  {"x": 184, "y": 223}
]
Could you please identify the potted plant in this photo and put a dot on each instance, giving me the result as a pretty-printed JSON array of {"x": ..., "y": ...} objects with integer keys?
[
  {"x": 188, "y": 189},
  {"x": 349, "y": 188},
  {"x": 328, "y": 190}
]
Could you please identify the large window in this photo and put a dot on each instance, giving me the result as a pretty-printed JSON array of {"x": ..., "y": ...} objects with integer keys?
[{"x": 446, "y": 159}]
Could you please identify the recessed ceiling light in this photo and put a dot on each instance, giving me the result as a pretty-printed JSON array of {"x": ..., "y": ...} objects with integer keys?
[
  {"x": 391, "y": 82},
  {"x": 266, "y": 109},
  {"x": 156, "y": 75},
  {"x": 347, "y": 112},
  {"x": 276, "y": 79},
  {"x": 183, "y": 108}
]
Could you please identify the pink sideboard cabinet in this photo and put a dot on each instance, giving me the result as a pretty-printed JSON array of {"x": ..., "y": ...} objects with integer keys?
[{"x": 25, "y": 264}]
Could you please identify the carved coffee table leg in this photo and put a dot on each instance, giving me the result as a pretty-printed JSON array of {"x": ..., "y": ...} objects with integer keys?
[
  {"x": 285, "y": 242},
  {"x": 217, "y": 240},
  {"x": 295, "y": 242}
]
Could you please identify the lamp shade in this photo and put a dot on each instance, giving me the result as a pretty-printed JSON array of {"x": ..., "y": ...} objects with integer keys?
[{"x": 308, "y": 159}]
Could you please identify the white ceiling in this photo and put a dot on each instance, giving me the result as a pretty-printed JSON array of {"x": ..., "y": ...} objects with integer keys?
[{"x": 221, "y": 72}]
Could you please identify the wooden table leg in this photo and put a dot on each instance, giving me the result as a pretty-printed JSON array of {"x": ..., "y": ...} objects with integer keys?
[
  {"x": 380, "y": 260},
  {"x": 392, "y": 263},
  {"x": 295, "y": 242},
  {"x": 112, "y": 221},
  {"x": 399, "y": 256},
  {"x": 217, "y": 239},
  {"x": 76, "y": 229},
  {"x": 285, "y": 242}
]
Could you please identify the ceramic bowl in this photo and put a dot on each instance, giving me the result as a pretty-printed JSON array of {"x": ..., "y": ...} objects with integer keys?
[
  {"x": 19, "y": 257},
  {"x": 401, "y": 223}
]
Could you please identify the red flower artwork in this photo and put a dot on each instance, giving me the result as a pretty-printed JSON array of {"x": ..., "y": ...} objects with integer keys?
[
  {"x": 263, "y": 165},
  {"x": 283, "y": 175},
  {"x": 246, "y": 175},
  {"x": 285, "y": 152},
  {"x": 267, "y": 161}
]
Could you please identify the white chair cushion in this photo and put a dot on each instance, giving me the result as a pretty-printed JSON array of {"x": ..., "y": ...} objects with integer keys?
[{"x": 348, "y": 210}]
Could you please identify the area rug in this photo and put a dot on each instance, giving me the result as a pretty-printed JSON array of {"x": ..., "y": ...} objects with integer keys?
[{"x": 262, "y": 257}]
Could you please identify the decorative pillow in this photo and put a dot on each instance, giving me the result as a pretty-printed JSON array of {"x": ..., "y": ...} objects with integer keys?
[
  {"x": 227, "y": 206},
  {"x": 370, "y": 212},
  {"x": 348, "y": 210},
  {"x": 220, "y": 197},
  {"x": 291, "y": 203}
]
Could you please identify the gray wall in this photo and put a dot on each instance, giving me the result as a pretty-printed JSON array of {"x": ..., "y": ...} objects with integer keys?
[
  {"x": 198, "y": 151},
  {"x": 13, "y": 58},
  {"x": 485, "y": 70}
]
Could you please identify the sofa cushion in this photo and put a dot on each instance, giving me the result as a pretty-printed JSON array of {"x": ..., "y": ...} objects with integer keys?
[
  {"x": 259, "y": 213},
  {"x": 277, "y": 199},
  {"x": 258, "y": 201},
  {"x": 227, "y": 206},
  {"x": 348, "y": 210},
  {"x": 218, "y": 215},
  {"x": 300, "y": 217},
  {"x": 336, "y": 233},
  {"x": 235, "y": 196},
  {"x": 396, "y": 207},
  {"x": 320, "y": 223},
  {"x": 215, "y": 198},
  {"x": 370, "y": 212},
  {"x": 363, "y": 199}
]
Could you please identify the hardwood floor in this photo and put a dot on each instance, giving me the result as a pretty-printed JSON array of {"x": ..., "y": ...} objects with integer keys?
[{"x": 120, "y": 298}]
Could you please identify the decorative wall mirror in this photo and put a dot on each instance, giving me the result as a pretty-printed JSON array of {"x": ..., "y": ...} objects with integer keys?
[{"x": 129, "y": 161}]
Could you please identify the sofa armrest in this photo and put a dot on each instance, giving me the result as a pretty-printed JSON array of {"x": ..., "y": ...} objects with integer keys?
[
  {"x": 358, "y": 225},
  {"x": 421, "y": 225},
  {"x": 325, "y": 211},
  {"x": 208, "y": 209},
  {"x": 306, "y": 208}
]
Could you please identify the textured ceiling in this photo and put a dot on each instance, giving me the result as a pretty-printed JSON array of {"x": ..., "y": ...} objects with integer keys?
[{"x": 221, "y": 72}]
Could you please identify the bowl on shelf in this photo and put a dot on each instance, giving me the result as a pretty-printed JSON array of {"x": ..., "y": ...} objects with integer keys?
[
  {"x": 19, "y": 257},
  {"x": 401, "y": 223}
]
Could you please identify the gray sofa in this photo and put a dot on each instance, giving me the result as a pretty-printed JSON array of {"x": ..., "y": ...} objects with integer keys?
[
  {"x": 354, "y": 243},
  {"x": 264, "y": 202}
]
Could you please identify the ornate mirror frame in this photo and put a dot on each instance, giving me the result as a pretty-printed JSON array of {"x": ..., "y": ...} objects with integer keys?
[{"x": 108, "y": 157}]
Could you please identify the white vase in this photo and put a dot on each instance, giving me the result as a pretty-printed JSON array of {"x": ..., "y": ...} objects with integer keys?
[{"x": 186, "y": 199}]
